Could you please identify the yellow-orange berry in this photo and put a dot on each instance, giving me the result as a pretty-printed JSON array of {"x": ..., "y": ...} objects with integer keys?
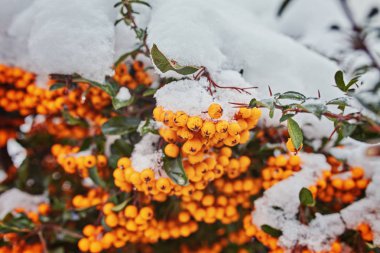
[
  {"x": 208, "y": 129},
  {"x": 84, "y": 244},
  {"x": 192, "y": 146},
  {"x": 194, "y": 123},
  {"x": 215, "y": 111},
  {"x": 171, "y": 150},
  {"x": 130, "y": 211},
  {"x": 146, "y": 213},
  {"x": 222, "y": 126},
  {"x": 163, "y": 185},
  {"x": 180, "y": 119},
  {"x": 124, "y": 162},
  {"x": 111, "y": 220},
  {"x": 147, "y": 175}
]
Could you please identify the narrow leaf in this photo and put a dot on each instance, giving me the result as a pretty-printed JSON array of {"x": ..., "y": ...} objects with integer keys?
[
  {"x": 292, "y": 95},
  {"x": 121, "y": 206},
  {"x": 295, "y": 133},
  {"x": 93, "y": 173},
  {"x": 165, "y": 65},
  {"x": 57, "y": 86},
  {"x": 271, "y": 231}
]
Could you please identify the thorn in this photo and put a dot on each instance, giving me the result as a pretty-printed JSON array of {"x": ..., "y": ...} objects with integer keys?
[
  {"x": 270, "y": 91},
  {"x": 319, "y": 94}
]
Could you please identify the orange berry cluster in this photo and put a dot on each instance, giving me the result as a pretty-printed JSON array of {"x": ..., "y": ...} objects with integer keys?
[
  {"x": 14, "y": 243},
  {"x": 209, "y": 208},
  {"x": 60, "y": 129},
  {"x": 216, "y": 247},
  {"x": 240, "y": 189},
  {"x": 341, "y": 188},
  {"x": 200, "y": 172},
  {"x": 365, "y": 232},
  {"x": 19, "y": 245},
  {"x": 65, "y": 156},
  {"x": 197, "y": 134},
  {"x": 267, "y": 240},
  {"x": 94, "y": 197},
  {"x": 278, "y": 168},
  {"x": 272, "y": 242},
  {"x": 8, "y": 128},
  {"x": 134, "y": 76}
]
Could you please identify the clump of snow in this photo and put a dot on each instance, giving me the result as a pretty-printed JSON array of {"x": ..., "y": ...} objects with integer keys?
[
  {"x": 266, "y": 57},
  {"x": 50, "y": 36},
  {"x": 280, "y": 204},
  {"x": 14, "y": 198},
  {"x": 16, "y": 151},
  {"x": 123, "y": 94},
  {"x": 146, "y": 154},
  {"x": 194, "y": 98}
]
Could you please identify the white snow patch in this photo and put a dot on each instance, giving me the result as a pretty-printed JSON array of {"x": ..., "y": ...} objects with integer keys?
[
  {"x": 14, "y": 198},
  {"x": 123, "y": 94}
]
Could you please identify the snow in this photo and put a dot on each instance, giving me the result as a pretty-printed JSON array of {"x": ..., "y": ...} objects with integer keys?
[
  {"x": 14, "y": 198},
  {"x": 322, "y": 230},
  {"x": 284, "y": 197},
  {"x": 267, "y": 58},
  {"x": 123, "y": 94},
  {"x": 146, "y": 155},
  {"x": 193, "y": 98}
]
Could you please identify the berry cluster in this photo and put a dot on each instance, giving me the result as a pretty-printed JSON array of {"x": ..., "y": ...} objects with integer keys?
[
  {"x": 197, "y": 134},
  {"x": 278, "y": 168},
  {"x": 340, "y": 188},
  {"x": 72, "y": 162}
]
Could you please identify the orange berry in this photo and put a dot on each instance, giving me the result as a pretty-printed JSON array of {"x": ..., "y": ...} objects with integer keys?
[
  {"x": 89, "y": 161},
  {"x": 130, "y": 211},
  {"x": 215, "y": 111},
  {"x": 171, "y": 150},
  {"x": 95, "y": 247},
  {"x": 146, "y": 213},
  {"x": 147, "y": 175},
  {"x": 163, "y": 185},
  {"x": 111, "y": 220},
  {"x": 194, "y": 123},
  {"x": 84, "y": 244}
]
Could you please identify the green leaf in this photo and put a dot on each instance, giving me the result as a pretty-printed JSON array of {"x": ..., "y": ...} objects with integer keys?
[
  {"x": 120, "y": 125},
  {"x": 149, "y": 92},
  {"x": 295, "y": 133},
  {"x": 73, "y": 121},
  {"x": 174, "y": 168},
  {"x": 117, "y": 104},
  {"x": 121, "y": 147},
  {"x": 106, "y": 87},
  {"x": 293, "y": 95},
  {"x": 353, "y": 81},
  {"x": 94, "y": 175},
  {"x": 121, "y": 206},
  {"x": 347, "y": 129},
  {"x": 316, "y": 109},
  {"x": 338, "y": 101},
  {"x": 271, "y": 231},
  {"x": 339, "y": 80},
  {"x": 286, "y": 117},
  {"x": 306, "y": 197},
  {"x": 57, "y": 86},
  {"x": 165, "y": 65}
]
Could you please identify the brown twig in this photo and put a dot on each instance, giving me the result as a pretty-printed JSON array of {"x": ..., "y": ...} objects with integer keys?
[{"x": 212, "y": 84}]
